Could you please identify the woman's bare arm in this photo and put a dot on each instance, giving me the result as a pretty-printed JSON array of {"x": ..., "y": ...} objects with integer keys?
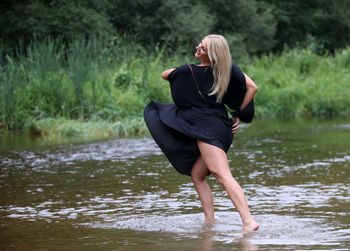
[
  {"x": 250, "y": 93},
  {"x": 166, "y": 73}
]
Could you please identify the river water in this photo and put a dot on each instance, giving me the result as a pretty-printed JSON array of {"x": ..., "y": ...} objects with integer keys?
[{"x": 122, "y": 194}]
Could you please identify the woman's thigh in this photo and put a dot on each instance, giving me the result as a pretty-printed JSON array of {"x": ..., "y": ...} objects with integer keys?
[{"x": 215, "y": 159}]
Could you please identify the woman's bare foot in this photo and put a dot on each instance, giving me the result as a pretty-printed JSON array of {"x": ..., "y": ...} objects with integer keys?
[
  {"x": 209, "y": 220},
  {"x": 252, "y": 226}
]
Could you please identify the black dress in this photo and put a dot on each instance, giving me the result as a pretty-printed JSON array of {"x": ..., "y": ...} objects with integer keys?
[{"x": 177, "y": 127}]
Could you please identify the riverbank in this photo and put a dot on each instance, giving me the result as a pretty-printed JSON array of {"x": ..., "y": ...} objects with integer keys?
[
  {"x": 62, "y": 127},
  {"x": 61, "y": 131}
]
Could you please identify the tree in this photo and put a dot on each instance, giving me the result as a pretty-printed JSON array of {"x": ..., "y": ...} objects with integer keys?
[
  {"x": 174, "y": 23},
  {"x": 23, "y": 20},
  {"x": 248, "y": 24},
  {"x": 320, "y": 24}
]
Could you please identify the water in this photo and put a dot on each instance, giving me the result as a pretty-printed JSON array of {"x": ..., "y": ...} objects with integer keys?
[{"x": 122, "y": 194}]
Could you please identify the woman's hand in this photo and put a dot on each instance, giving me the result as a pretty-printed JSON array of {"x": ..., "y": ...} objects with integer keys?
[{"x": 235, "y": 124}]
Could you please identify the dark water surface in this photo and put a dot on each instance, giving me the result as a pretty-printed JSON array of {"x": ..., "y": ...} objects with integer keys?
[{"x": 122, "y": 194}]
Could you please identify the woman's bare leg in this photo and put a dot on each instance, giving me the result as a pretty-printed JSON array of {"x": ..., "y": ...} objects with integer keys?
[
  {"x": 198, "y": 175},
  {"x": 215, "y": 160}
]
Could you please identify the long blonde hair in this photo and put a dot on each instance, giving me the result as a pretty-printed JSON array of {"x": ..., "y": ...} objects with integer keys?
[{"x": 221, "y": 63}]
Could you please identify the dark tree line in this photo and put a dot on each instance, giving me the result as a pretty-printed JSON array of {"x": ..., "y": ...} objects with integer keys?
[{"x": 251, "y": 26}]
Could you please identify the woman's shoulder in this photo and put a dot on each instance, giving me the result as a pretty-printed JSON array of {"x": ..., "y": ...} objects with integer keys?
[
  {"x": 235, "y": 69},
  {"x": 237, "y": 74},
  {"x": 186, "y": 67},
  {"x": 179, "y": 70},
  {"x": 235, "y": 89},
  {"x": 182, "y": 68}
]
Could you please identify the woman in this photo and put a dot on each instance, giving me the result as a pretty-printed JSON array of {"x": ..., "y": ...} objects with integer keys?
[{"x": 195, "y": 133}]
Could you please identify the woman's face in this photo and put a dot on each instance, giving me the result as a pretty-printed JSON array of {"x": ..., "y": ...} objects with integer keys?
[{"x": 201, "y": 51}]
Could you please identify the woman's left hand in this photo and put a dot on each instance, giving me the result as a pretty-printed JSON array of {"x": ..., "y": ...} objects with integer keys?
[{"x": 235, "y": 124}]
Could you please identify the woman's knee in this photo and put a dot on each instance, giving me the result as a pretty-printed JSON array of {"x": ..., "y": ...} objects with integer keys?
[
  {"x": 219, "y": 178},
  {"x": 197, "y": 177},
  {"x": 199, "y": 171},
  {"x": 222, "y": 177}
]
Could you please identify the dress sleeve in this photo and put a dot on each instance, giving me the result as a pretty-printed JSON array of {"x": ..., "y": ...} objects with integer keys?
[
  {"x": 236, "y": 89},
  {"x": 172, "y": 76}
]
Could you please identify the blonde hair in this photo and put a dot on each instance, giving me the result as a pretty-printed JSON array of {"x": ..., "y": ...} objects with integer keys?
[{"x": 221, "y": 63}]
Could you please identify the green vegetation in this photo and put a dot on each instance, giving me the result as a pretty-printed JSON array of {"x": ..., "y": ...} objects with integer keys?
[
  {"x": 53, "y": 88},
  {"x": 302, "y": 83},
  {"x": 73, "y": 68},
  {"x": 61, "y": 127},
  {"x": 251, "y": 26},
  {"x": 93, "y": 80}
]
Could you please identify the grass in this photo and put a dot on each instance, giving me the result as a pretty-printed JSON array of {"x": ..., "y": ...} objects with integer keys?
[
  {"x": 100, "y": 87},
  {"x": 62, "y": 127},
  {"x": 301, "y": 83},
  {"x": 85, "y": 81}
]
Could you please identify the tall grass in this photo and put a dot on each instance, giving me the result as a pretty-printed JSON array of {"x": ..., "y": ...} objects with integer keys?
[
  {"x": 112, "y": 80},
  {"x": 301, "y": 83},
  {"x": 84, "y": 80}
]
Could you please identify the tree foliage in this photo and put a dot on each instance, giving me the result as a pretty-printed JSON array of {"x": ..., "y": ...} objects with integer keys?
[
  {"x": 251, "y": 26},
  {"x": 248, "y": 25},
  {"x": 23, "y": 20},
  {"x": 317, "y": 24}
]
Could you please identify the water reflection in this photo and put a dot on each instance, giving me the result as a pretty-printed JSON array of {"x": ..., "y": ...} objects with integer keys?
[
  {"x": 124, "y": 193},
  {"x": 209, "y": 235}
]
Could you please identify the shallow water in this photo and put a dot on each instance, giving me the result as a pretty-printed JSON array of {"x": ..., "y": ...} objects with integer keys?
[{"x": 122, "y": 194}]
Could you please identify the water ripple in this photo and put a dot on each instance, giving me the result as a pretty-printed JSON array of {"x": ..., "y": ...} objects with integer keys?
[{"x": 112, "y": 150}]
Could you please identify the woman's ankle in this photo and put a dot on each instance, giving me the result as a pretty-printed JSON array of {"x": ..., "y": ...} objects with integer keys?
[{"x": 252, "y": 225}]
